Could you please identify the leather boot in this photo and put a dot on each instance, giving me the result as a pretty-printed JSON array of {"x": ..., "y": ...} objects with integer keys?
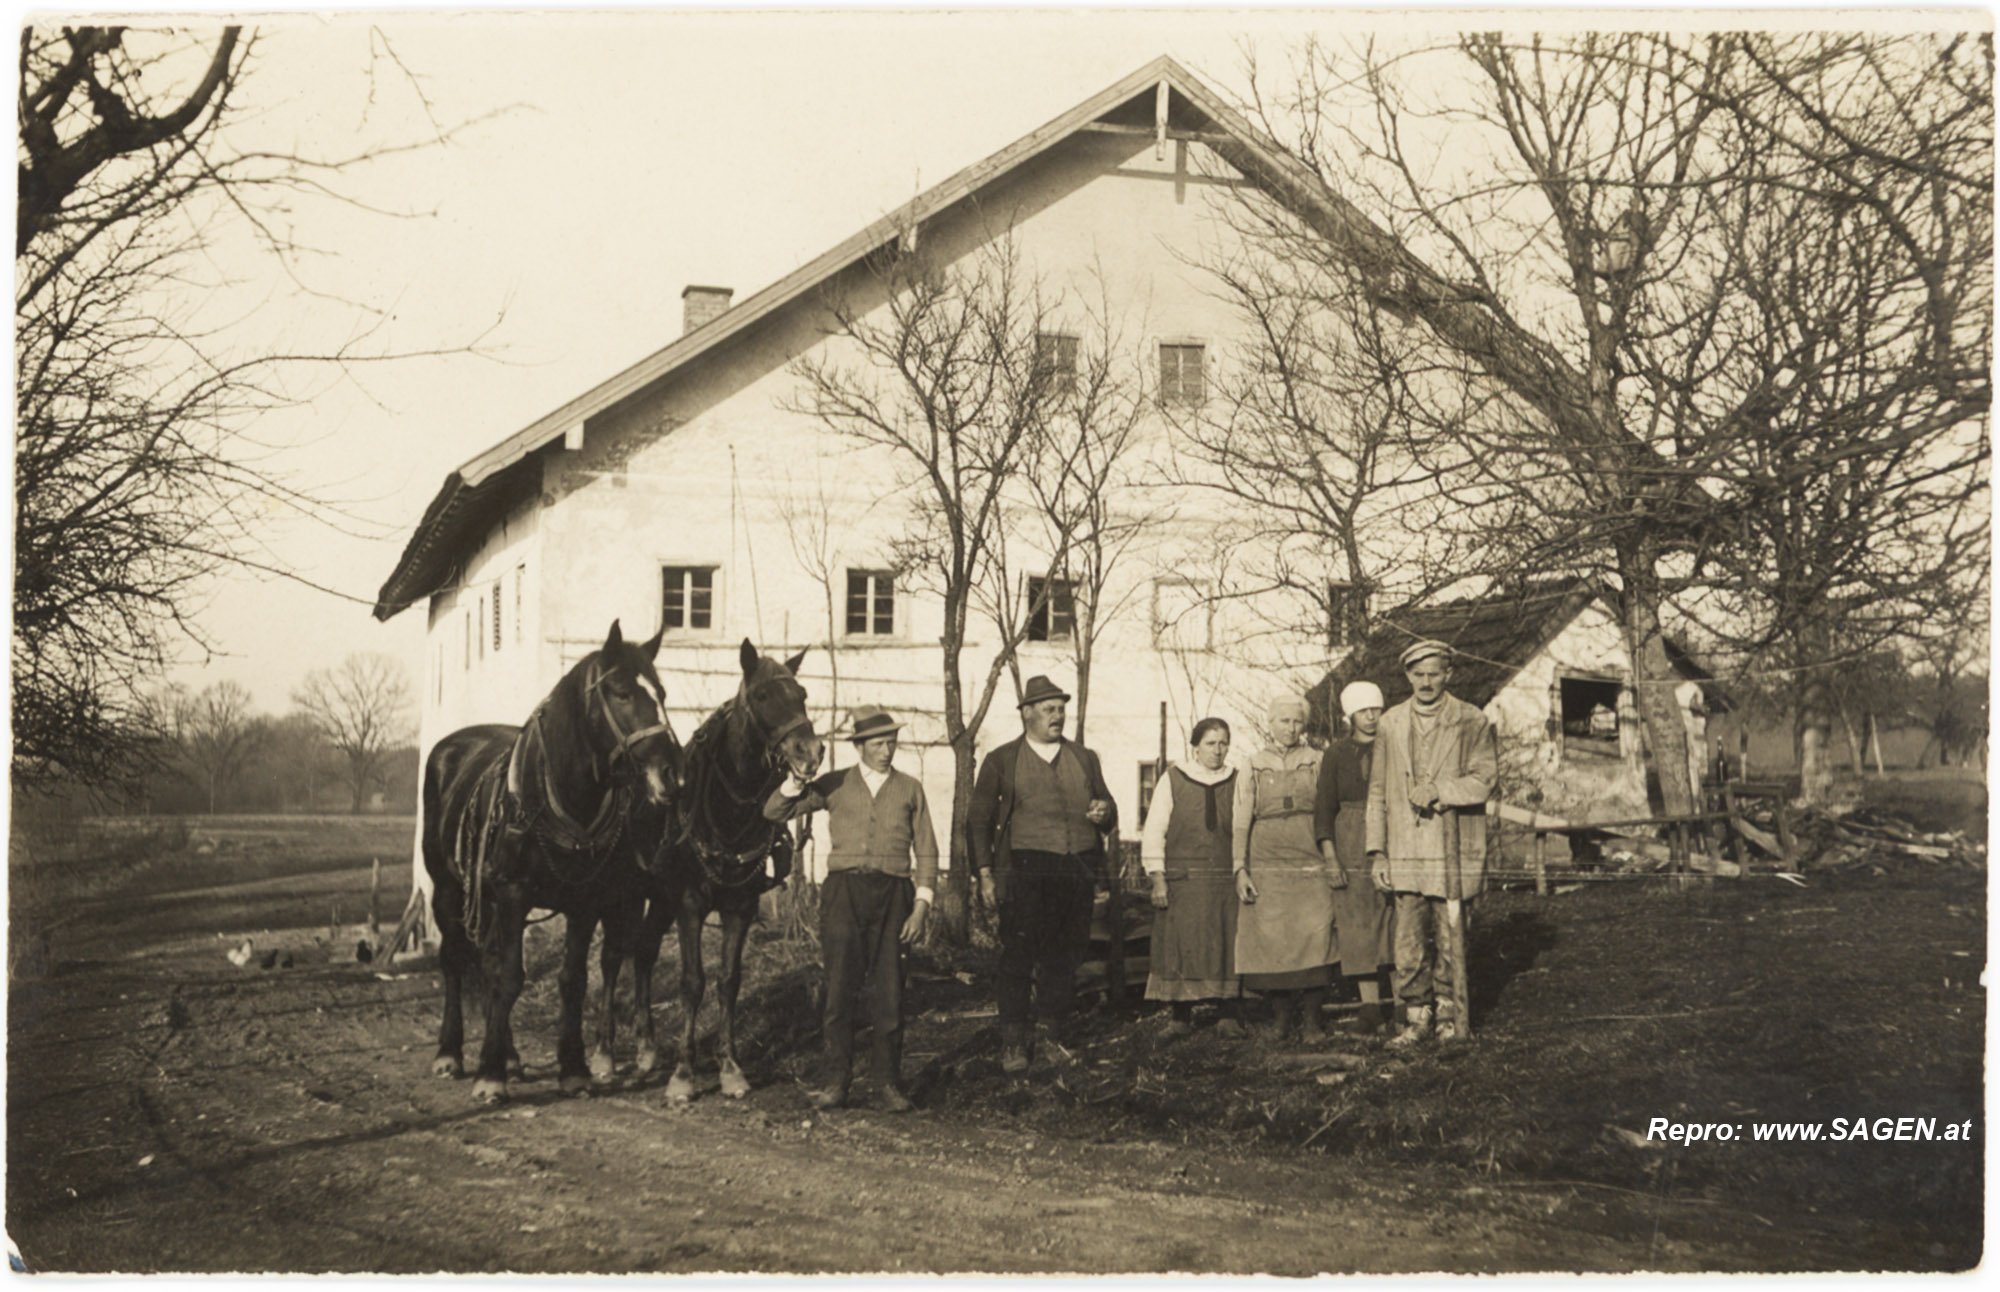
[
  {"x": 885, "y": 1065},
  {"x": 1285, "y": 1014},
  {"x": 1312, "y": 1002}
]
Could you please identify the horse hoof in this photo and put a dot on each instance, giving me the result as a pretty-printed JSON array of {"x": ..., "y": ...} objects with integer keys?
[
  {"x": 489, "y": 1091},
  {"x": 576, "y": 1083},
  {"x": 447, "y": 1065},
  {"x": 734, "y": 1086},
  {"x": 648, "y": 1060},
  {"x": 601, "y": 1066},
  {"x": 680, "y": 1090}
]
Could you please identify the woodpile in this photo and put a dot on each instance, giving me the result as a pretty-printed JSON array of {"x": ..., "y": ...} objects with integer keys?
[{"x": 1870, "y": 836}]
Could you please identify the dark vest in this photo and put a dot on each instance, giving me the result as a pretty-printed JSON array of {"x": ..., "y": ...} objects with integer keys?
[{"x": 1049, "y": 804}]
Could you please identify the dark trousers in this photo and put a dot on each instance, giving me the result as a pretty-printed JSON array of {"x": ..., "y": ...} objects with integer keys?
[
  {"x": 861, "y": 917},
  {"x": 1045, "y": 900}
]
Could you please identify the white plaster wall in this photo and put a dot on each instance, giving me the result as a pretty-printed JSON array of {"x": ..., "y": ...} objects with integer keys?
[{"x": 1581, "y": 787}]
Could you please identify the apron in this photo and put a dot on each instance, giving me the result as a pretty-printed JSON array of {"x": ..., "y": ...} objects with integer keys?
[
  {"x": 1192, "y": 952},
  {"x": 1290, "y": 927}
]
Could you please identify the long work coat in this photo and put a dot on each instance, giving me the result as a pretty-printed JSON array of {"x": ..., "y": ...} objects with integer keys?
[
  {"x": 1362, "y": 915},
  {"x": 1462, "y": 759}
]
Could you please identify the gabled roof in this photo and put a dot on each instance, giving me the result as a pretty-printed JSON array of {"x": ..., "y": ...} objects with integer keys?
[
  {"x": 477, "y": 493},
  {"x": 1495, "y": 636}
]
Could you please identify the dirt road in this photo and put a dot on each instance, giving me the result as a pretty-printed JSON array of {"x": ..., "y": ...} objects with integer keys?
[{"x": 168, "y": 1110}]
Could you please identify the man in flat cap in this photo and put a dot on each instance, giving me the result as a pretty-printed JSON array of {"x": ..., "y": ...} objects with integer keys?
[
  {"x": 1362, "y": 913},
  {"x": 1037, "y": 823},
  {"x": 1435, "y": 764},
  {"x": 874, "y": 901}
]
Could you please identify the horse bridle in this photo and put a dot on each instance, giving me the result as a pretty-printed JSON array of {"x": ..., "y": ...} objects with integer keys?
[{"x": 623, "y": 749}]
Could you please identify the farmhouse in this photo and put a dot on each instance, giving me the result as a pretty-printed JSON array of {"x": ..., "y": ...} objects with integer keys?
[
  {"x": 669, "y": 496},
  {"x": 1548, "y": 663}
]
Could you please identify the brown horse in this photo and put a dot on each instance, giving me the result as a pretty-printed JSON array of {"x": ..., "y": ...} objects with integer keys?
[
  {"x": 560, "y": 814},
  {"x": 714, "y": 857}
]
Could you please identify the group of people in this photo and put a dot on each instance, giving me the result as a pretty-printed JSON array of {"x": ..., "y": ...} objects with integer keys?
[{"x": 1270, "y": 878}]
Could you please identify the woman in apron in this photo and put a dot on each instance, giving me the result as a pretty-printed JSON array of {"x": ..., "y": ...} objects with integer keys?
[
  {"x": 1184, "y": 848},
  {"x": 1285, "y": 942},
  {"x": 1362, "y": 915}
]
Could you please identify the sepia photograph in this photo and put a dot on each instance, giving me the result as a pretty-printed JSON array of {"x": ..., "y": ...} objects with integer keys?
[{"x": 1000, "y": 641}]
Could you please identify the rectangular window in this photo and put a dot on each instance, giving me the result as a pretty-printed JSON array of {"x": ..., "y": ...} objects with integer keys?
[
  {"x": 496, "y": 616},
  {"x": 1149, "y": 776},
  {"x": 871, "y": 602},
  {"x": 520, "y": 584},
  {"x": 1590, "y": 715},
  {"x": 1055, "y": 363},
  {"x": 688, "y": 598},
  {"x": 1051, "y": 609},
  {"x": 1345, "y": 607},
  {"x": 1183, "y": 616},
  {"x": 1182, "y": 383}
]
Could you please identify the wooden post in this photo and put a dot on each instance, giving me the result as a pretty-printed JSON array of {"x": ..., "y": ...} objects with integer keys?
[
  {"x": 1734, "y": 826},
  {"x": 375, "y": 898},
  {"x": 1541, "y": 864},
  {"x": 1452, "y": 927},
  {"x": 1791, "y": 861},
  {"x": 1114, "y": 919}
]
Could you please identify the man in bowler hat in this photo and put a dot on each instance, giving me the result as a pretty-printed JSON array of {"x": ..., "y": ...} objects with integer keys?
[
  {"x": 873, "y": 903},
  {"x": 1037, "y": 825}
]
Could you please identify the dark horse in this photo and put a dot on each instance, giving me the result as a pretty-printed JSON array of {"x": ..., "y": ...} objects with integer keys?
[
  {"x": 714, "y": 855},
  {"x": 559, "y": 814}
]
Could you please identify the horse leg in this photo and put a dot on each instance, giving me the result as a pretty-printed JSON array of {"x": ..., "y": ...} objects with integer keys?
[
  {"x": 455, "y": 956},
  {"x": 610, "y": 962},
  {"x": 500, "y": 959},
  {"x": 735, "y": 930},
  {"x": 680, "y": 1087},
  {"x": 572, "y": 1073},
  {"x": 647, "y": 932}
]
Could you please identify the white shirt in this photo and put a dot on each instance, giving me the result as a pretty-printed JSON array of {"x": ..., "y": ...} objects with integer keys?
[
  {"x": 1047, "y": 752},
  {"x": 874, "y": 780}
]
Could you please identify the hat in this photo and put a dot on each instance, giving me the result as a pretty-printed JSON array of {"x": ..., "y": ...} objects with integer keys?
[
  {"x": 1040, "y": 689},
  {"x": 1423, "y": 650},
  {"x": 1356, "y": 696},
  {"x": 1288, "y": 706},
  {"x": 870, "y": 721}
]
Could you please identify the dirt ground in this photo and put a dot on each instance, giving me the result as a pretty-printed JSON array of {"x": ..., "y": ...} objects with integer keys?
[{"x": 169, "y": 1110}]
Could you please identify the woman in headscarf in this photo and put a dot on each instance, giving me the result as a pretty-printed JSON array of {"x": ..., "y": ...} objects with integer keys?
[
  {"x": 1363, "y": 916},
  {"x": 1184, "y": 848},
  {"x": 1285, "y": 941}
]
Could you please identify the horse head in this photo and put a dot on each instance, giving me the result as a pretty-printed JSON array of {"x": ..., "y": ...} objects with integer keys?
[
  {"x": 776, "y": 704},
  {"x": 626, "y": 708}
]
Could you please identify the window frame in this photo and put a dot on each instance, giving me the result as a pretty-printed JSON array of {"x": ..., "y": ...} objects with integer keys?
[
  {"x": 1343, "y": 596},
  {"x": 687, "y": 568},
  {"x": 1174, "y": 393},
  {"x": 1061, "y": 376},
  {"x": 1047, "y": 611},
  {"x": 876, "y": 579},
  {"x": 1148, "y": 768}
]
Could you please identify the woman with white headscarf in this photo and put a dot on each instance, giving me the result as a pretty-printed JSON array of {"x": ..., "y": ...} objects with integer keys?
[
  {"x": 1184, "y": 848},
  {"x": 1285, "y": 941},
  {"x": 1363, "y": 916}
]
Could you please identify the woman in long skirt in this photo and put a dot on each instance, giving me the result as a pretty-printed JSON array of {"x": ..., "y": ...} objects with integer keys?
[
  {"x": 1363, "y": 916},
  {"x": 1184, "y": 847},
  {"x": 1285, "y": 942}
]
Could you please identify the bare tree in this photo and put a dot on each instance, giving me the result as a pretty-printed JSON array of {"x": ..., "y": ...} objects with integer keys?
[
  {"x": 137, "y": 473},
  {"x": 216, "y": 735},
  {"x": 1080, "y": 472},
  {"x": 1563, "y": 229},
  {"x": 936, "y": 367},
  {"x": 362, "y": 708}
]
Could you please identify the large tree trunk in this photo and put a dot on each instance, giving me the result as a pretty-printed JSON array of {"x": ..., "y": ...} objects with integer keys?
[
  {"x": 1653, "y": 679},
  {"x": 1813, "y": 717}
]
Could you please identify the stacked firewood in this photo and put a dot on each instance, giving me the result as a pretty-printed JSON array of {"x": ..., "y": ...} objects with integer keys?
[{"x": 1870, "y": 836}]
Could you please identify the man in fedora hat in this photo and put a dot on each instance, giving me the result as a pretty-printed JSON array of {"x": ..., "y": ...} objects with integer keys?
[
  {"x": 873, "y": 902},
  {"x": 1436, "y": 761},
  {"x": 1036, "y": 827}
]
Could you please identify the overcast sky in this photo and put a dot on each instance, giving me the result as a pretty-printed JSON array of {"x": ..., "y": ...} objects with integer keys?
[{"x": 631, "y": 155}]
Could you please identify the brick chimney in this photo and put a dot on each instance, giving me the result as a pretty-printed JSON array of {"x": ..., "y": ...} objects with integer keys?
[{"x": 700, "y": 304}]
